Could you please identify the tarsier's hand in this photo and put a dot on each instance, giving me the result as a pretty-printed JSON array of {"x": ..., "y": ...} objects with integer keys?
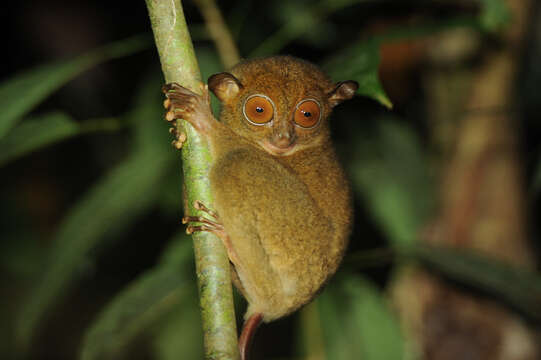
[{"x": 182, "y": 103}]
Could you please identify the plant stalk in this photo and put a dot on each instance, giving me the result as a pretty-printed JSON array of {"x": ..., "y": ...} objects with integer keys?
[{"x": 179, "y": 65}]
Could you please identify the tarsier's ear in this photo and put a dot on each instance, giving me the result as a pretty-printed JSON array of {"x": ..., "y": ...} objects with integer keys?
[
  {"x": 225, "y": 86},
  {"x": 343, "y": 90}
]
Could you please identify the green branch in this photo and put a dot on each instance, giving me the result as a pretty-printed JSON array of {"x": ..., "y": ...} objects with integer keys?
[
  {"x": 212, "y": 264},
  {"x": 219, "y": 32}
]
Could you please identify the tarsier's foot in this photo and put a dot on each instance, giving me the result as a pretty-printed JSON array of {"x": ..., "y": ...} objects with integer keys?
[
  {"x": 182, "y": 103},
  {"x": 213, "y": 225}
]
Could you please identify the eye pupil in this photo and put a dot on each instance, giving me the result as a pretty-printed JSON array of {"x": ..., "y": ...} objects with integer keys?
[
  {"x": 258, "y": 109},
  {"x": 307, "y": 113}
]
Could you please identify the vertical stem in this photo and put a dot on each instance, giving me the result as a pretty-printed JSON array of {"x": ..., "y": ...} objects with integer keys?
[
  {"x": 212, "y": 264},
  {"x": 219, "y": 32}
]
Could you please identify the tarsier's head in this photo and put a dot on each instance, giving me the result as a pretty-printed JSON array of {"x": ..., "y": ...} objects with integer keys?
[{"x": 280, "y": 103}]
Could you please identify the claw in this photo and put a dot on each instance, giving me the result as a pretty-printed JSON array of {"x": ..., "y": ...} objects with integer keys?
[
  {"x": 213, "y": 226},
  {"x": 182, "y": 103},
  {"x": 200, "y": 206}
]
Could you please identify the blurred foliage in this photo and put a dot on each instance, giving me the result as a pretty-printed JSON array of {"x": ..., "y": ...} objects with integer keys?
[
  {"x": 494, "y": 15},
  {"x": 151, "y": 297},
  {"x": 393, "y": 180},
  {"x": 46, "y": 130},
  {"x": 106, "y": 209},
  {"x": 24, "y": 91},
  {"x": 518, "y": 287},
  {"x": 357, "y": 322},
  {"x": 389, "y": 168}
]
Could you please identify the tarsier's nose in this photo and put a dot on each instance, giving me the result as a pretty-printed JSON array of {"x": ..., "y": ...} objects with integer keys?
[
  {"x": 283, "y": 139},
  {"x": 283, "y": 135}
]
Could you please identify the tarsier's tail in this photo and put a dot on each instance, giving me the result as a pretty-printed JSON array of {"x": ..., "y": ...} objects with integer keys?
[{"x": 247, "y": 334}]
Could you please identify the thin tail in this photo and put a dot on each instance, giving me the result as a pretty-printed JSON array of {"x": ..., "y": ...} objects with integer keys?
[{"x": 247, "y": 335}]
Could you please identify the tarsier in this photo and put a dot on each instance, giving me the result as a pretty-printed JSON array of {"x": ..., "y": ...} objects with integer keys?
[{"x": 282, "y": 201}]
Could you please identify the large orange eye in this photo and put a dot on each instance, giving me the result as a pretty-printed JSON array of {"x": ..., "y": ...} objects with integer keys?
[
  {"x": 258, "y": 109},
  {"x": 307, "y": 113}
]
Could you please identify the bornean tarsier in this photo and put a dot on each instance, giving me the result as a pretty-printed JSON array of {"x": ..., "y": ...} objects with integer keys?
[{"x": 282, "y": 201}]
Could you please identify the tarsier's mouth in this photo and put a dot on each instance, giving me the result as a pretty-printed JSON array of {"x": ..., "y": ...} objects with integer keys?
[{"x": 277, "y": 150}]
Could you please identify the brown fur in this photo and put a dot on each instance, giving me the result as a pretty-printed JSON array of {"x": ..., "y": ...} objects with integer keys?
[{"x": 287, "y": 215}]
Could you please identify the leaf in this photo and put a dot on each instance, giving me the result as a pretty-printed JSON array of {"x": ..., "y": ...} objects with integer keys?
[
  {"x": 142, "y": 304},
  {"x": 519, "y": 287},
  {"x": 180, "y": 332},
  {"x": 494, "y": 15},
  {"x": 293, "y": 27},
  {"x": 178, "y": 252},
  {"x": 309, "y": 341},
  {"x": 106, "y": 209},
  {"x": 339, "y": 342},
  {"x": 360, "y": 63},
  {"x": 358, "y": 323},
  {"x": 390, "y": 171},
  {"x": 132, "y": 311},
  {"x": 22, "y": 92},
  {"x": 36, "y": 133}
]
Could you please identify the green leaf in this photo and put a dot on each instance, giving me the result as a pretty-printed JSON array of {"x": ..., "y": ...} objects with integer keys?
[
  {"x": 494, "y": 15},
  {"x": 106, "y": 209},
  {"x": 340, "y": 343},
  {"x": 360, "y": 63},
  {"x": 178, "y": 252},
  {"x": 180, "y": 331},
  {"x": 110, "y": 206},
  {"x": 22, "y": 92},
  {"x": 519, "y": 287},
  {"x": 133, "y": 311},
  {"x": 293, "y": 27},
  {"x": 35, "y": 133},
  {"x": 309, "y": 340},
  {"x": 142, "y": 304},
  {"x": 147, "y": 116},
  {"x": 390, "y": 171},
  {"x": 358, "y": 322}
]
